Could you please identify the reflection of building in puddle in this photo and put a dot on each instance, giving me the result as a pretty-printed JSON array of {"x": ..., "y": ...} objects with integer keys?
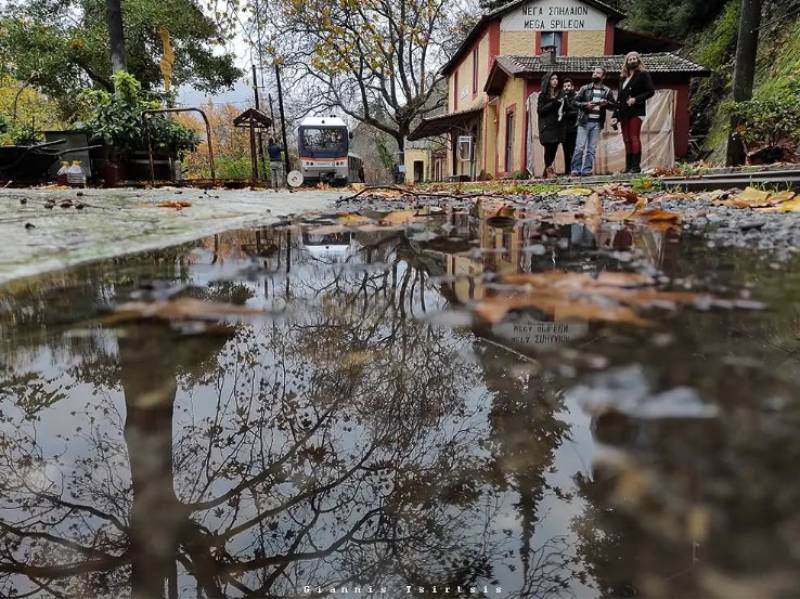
[
  {"x": 500, "y": 252},
  {"x": 657, "y": 245}
]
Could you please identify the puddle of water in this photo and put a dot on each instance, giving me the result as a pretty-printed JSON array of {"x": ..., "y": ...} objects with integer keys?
[{"x": 367, "y": 433}]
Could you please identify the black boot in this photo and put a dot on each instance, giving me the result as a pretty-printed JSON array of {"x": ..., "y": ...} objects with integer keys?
[
  {"x": 636, "y": 163},
  {"x": 628, "y": 162}
]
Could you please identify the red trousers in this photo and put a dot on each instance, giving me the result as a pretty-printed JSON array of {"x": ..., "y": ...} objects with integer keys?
[{"x": 631, "y": 134}]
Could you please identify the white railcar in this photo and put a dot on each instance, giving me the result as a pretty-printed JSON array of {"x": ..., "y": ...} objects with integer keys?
[{"x": 323, "y": 145}]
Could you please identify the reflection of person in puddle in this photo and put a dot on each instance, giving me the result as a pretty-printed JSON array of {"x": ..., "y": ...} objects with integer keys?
[{"x": 623, "y": 239}]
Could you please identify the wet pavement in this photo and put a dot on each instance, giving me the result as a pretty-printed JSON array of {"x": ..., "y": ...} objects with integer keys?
[
  {"x": 50, "y": 228},
  {"x": 370, "y": 427}
]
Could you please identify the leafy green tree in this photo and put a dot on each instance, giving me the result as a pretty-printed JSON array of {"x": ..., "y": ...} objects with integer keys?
[{"x": 62, "y": 45}]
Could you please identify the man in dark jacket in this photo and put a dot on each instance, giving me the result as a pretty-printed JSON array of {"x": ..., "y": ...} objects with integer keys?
[
  {"x": 593, "y": 100},
  {"x": 570, "y": 119},
  {"x": 276, "y": 173}
]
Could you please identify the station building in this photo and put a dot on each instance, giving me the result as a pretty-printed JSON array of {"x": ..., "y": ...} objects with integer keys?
[{"x": 490, "y": 126}]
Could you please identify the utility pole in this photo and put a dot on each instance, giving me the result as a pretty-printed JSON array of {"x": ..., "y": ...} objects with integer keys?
[
  {"x": 116, "y": 36},
  {"x": 260, "y": 138},
  {"x": 744, "y": 71},
  {"x": 260, "y": 59},
  {"x": 271, "y": 113},
  {"x": 283, "y": 118}
]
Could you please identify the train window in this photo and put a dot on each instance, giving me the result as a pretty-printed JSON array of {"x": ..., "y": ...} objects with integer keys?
[{"x": 324, "y": 139}]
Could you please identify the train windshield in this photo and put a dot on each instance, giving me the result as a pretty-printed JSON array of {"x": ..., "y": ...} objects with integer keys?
[{"x": 327, "y": 141}]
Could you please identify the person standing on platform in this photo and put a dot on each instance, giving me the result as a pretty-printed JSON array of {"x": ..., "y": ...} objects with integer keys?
[
  {"x": 593, "y": 100},
  {"x": 635, "y": 87},
  {"x": 276, "y": 174},
  {"x": 550, "y": 107},
  {"x": 570, "y": 119}
]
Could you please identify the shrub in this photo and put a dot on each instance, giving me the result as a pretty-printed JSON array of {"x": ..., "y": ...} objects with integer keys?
[
  {"x": 767, "y": 122},
  {"x": 116, "y": 120}
]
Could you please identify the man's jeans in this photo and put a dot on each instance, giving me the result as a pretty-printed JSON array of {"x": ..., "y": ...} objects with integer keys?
[
  {"x": 585, "y": 147},
  {"x": 276, "y": 174}
]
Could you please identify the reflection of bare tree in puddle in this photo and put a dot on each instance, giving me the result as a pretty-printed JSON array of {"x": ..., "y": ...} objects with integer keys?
[
  {"x": 313, "y": 454},
  {"x": 526, "y": 432}
]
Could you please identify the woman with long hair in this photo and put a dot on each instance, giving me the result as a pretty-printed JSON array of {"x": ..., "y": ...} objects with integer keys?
[
  {"x": 551, "y": 124},
  {"x": 635, "y": 87}
]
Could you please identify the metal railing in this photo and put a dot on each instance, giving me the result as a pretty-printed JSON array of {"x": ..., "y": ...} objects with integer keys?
[{"x": 146, "y": 121}]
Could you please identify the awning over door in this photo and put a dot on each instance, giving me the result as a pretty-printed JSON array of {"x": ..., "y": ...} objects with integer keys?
[{"x": 444, "y": 123}]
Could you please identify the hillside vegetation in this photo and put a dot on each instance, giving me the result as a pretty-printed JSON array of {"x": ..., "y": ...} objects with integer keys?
[{"x": 710, "y": 29}]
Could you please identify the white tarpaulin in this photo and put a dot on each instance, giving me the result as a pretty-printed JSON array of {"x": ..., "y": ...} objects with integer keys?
[{"x": 658, "y": 145}]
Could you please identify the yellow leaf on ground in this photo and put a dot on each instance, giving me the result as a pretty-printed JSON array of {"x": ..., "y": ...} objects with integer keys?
[
  {"x": 790, "y": 206},
  {"x": 352, "y": 218},
  {"x": 753, "y": 195},
  {"x": 753, "y": 198},
  {"x": 576, "y": 191}
]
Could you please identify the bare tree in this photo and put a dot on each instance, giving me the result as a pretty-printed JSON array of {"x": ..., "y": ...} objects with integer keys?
[{"x": 377, "y": 61}]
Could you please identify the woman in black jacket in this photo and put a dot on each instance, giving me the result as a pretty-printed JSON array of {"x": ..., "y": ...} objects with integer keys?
[
  {"x": 635, "y": 87},
  {"x": 551, "y": 124}
]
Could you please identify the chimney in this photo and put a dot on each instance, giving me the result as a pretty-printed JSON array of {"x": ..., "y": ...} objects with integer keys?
[{"x": 549, "y": 53}]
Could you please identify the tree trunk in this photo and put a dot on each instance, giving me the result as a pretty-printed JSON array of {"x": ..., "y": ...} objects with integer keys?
[
  {"x": 116, "y": 35},
  {"x": 744, "y": 71}
]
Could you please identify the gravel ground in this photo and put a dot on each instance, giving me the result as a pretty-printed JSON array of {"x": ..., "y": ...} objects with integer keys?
[{"x": 776, "y": 234}]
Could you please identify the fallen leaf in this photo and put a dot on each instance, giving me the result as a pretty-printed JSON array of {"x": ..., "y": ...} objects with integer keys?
[
  {"x": 180, "y": 309},
  {"x": 576, "y": 191},
  {"x": 752, "y": 195},
  {"x": 782, "y": 196},
  {"x": 399, "y": 217},
  {"x": 177, "y": 204},
  {"x": 574, "y": 281},
  {"x": 494, "y": 309},
  {"x": 608, "y": 296},
  {"x": 621, "y": 192},
  {"x": 789, "y": 206},
  {"x": 654, "y": 215},
  {"x": 352, "y": 218},
  {"x": 358, "y": 186}
]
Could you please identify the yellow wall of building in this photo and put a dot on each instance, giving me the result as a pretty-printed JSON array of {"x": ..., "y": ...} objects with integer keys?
[
  {"x": 489, "y": 150},
  {"x": 586, "y": 43},
  {"x": 414, "y": 155},
  {"x": 463, "y": 74},
  {"x": 518, "y": 42}
]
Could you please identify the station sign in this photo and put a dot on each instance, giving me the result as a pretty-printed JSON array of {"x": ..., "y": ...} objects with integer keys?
[{"x": 554, "y": 15}]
